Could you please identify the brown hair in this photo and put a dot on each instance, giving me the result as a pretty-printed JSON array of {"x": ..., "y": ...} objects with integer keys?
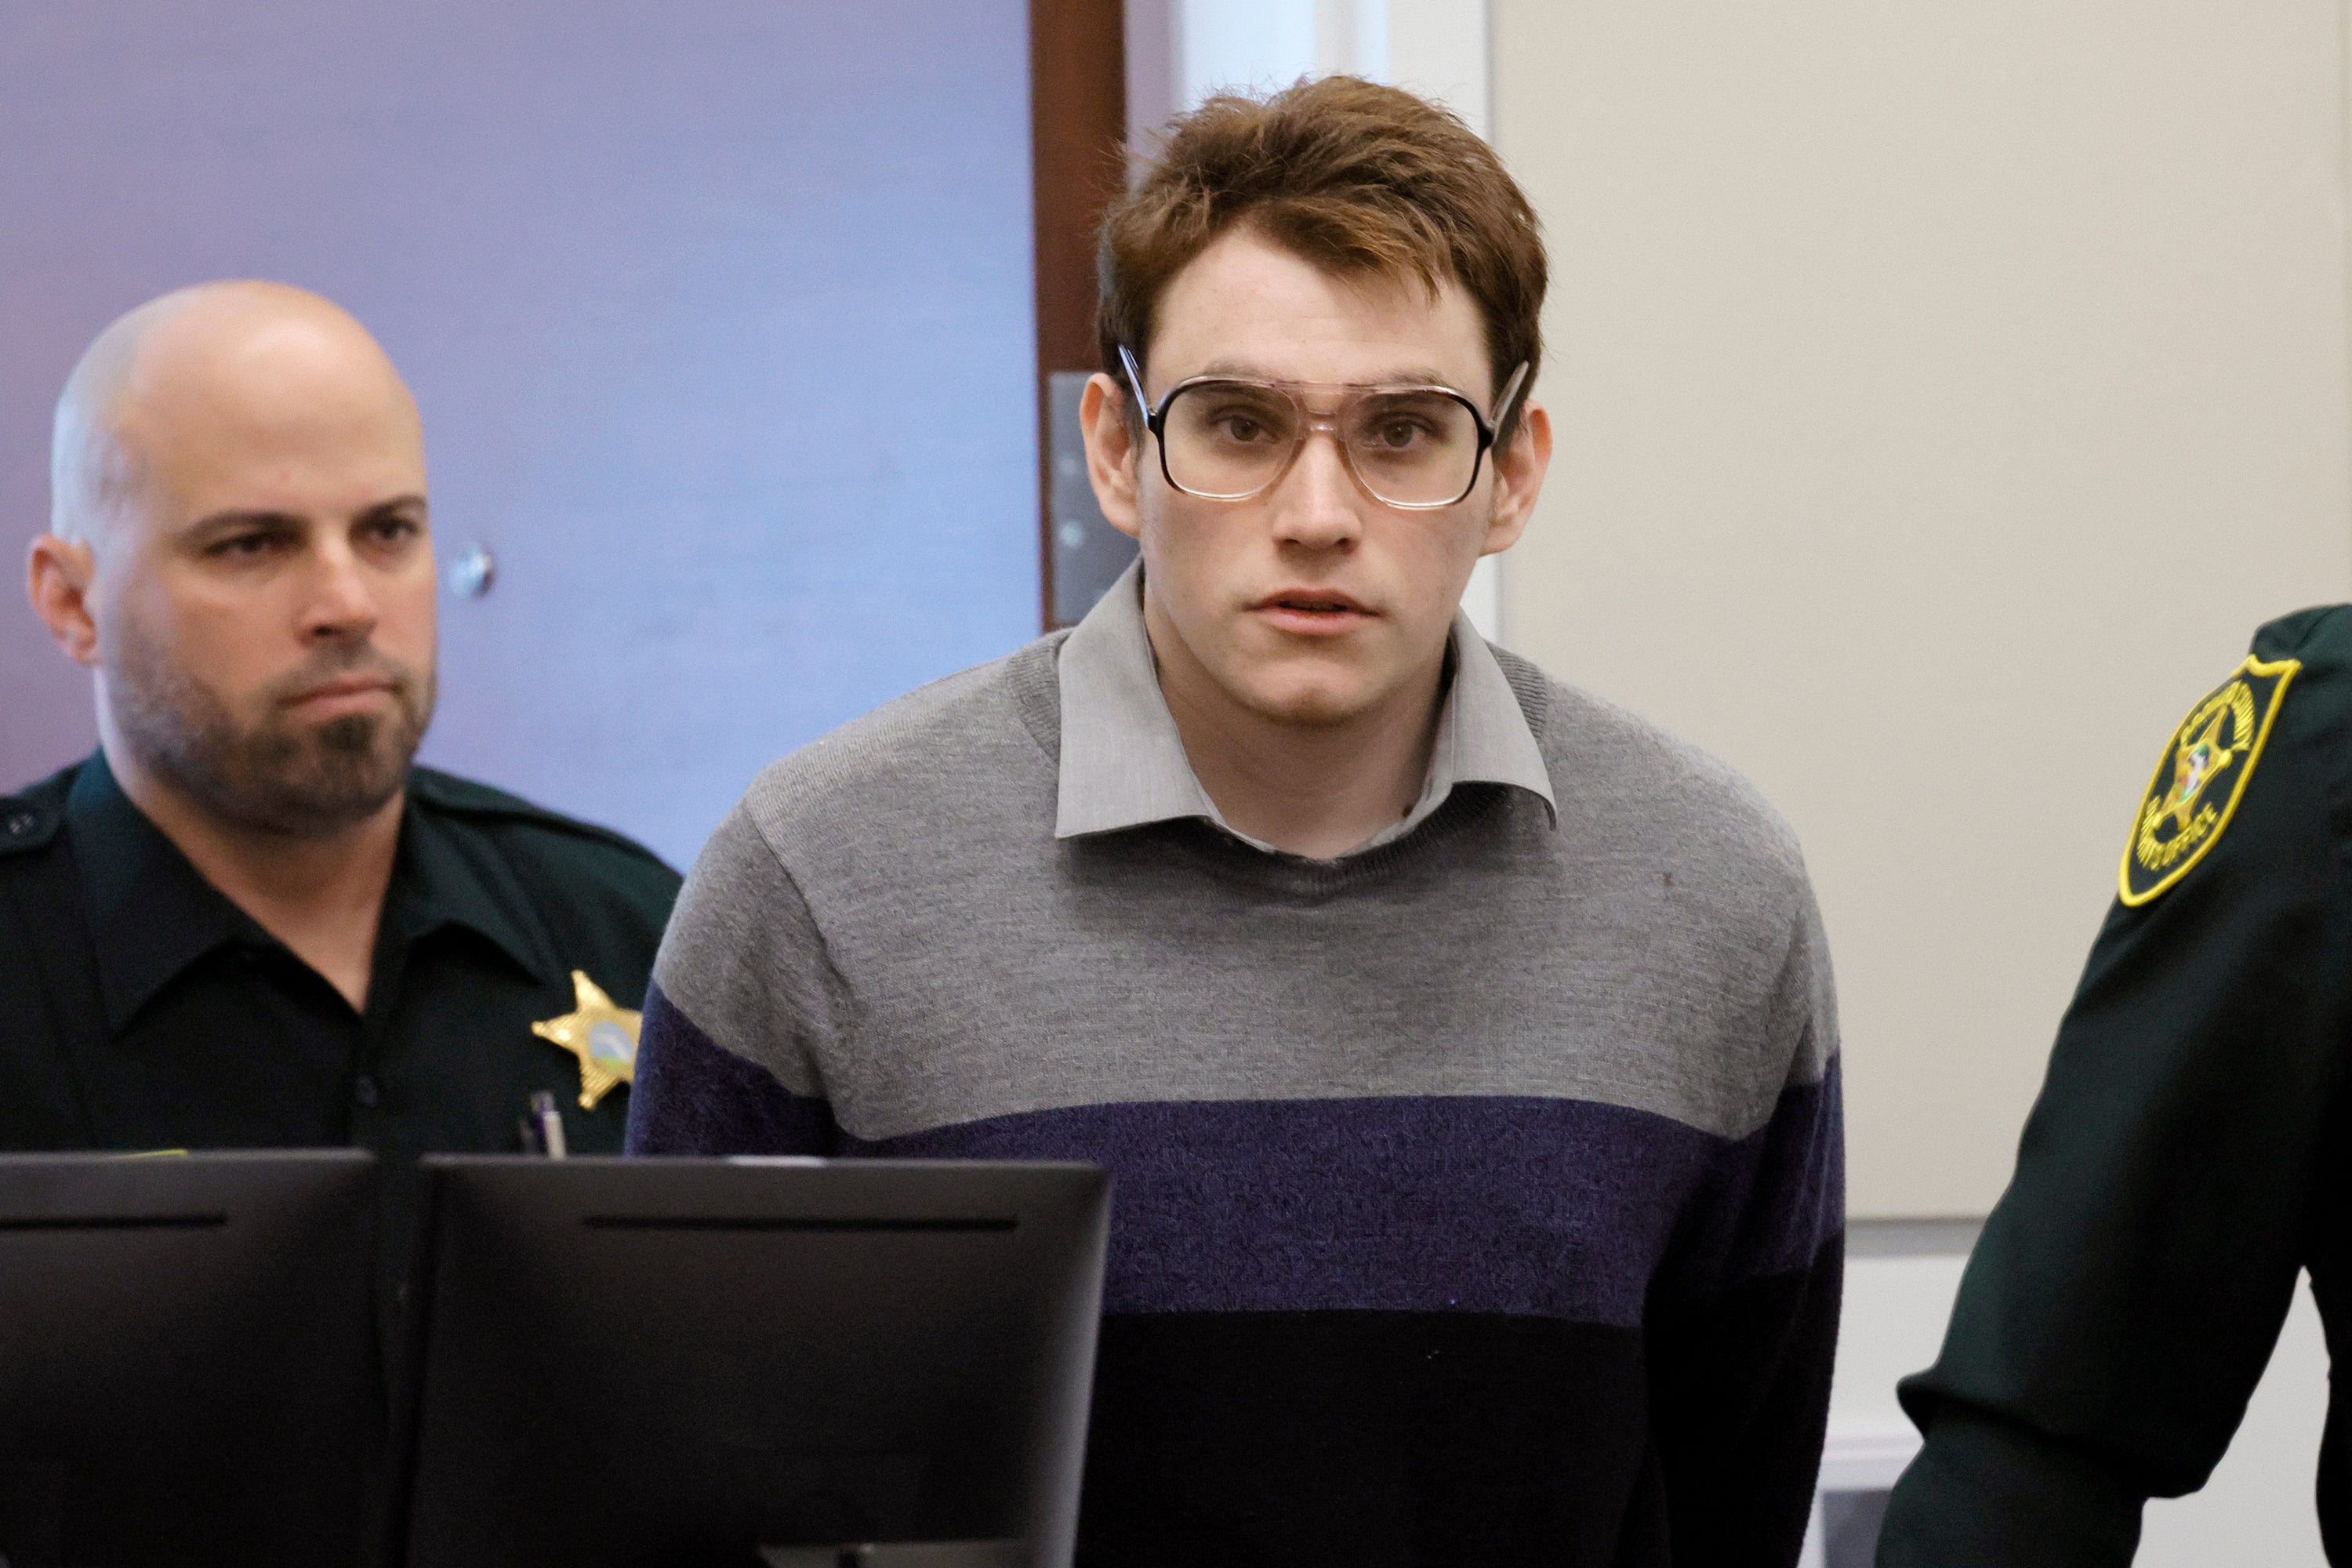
[{"x": 1348, "y": 175}]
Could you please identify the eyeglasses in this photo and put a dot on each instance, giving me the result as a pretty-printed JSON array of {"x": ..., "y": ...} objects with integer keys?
[{"x": 1416, "y": 448}]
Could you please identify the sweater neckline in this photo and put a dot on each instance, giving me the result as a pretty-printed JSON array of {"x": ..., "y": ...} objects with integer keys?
[{"x": 1031, "y": 674}]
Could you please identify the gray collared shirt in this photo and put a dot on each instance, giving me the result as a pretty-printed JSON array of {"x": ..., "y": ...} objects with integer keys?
[{"x": 1123, "y": 763}]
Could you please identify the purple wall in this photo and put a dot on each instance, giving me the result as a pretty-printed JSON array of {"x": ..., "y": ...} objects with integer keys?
[{"x": 719, "y": 312}]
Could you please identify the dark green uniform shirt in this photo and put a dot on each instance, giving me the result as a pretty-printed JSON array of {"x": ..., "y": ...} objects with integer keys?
[
  {"x": 2188, "y": 1156},
  {"x": 141, "y": 1009}
]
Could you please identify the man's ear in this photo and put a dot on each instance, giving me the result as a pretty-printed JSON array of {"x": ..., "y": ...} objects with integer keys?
[
  {"x": 1520, "y": 464},
  {"x": 58, "y": 578},
  {"x": 1111, "y": 450}
]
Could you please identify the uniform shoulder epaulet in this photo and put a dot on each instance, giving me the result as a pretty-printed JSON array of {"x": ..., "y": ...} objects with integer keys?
[
  {"x": 2306, "y": 636},
  {"x": 30, "y": 818},
  {"x": 480, "y": 803},
  {"x": 2202, "y": 772}
]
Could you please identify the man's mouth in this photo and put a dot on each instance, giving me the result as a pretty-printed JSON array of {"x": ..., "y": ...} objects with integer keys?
[
  {"x": 1312, "y": 610},
  {"x": 344, "y": 694}
]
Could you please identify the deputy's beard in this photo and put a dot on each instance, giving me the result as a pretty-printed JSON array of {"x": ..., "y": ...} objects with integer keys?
[{"x": 265, "y": 771}]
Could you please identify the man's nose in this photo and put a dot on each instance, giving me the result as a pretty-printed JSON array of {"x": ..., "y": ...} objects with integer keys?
[
  {"x": 1317, "y": 504},
  {"x": 342, "y": 600}
]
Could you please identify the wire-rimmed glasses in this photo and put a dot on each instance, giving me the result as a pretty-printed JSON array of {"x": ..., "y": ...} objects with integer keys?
[{"x": 1227, "y": 438}]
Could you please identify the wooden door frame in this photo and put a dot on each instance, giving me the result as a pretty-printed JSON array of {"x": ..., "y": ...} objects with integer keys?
[{"x": 1077, "y": 137}]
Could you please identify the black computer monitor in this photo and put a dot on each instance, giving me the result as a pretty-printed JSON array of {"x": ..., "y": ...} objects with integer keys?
[
  {"x": 645, "y": 1362},
  {"x": 188, "y": 1359}
]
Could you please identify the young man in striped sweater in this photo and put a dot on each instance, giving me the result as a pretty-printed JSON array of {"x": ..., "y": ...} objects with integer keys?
[{"x": 1462, "y": 1046}]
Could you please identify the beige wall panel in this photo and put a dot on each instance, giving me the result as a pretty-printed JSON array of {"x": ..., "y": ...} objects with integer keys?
[{"x": 1945, "y": 392}]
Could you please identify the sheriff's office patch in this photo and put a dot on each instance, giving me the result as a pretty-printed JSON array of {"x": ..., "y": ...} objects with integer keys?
[{"x": 2201, "y": 775}]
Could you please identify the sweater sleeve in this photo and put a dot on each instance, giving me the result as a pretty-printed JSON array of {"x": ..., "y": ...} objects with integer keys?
[
  {"x": 1742, "y": 1339},
  {"x": 2129, "y": 1285},
  {"x": 744, "y": 1000}
]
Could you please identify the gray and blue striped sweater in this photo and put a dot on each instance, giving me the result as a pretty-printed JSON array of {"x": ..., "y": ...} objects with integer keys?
[{"x": 1479, "y": 1196}]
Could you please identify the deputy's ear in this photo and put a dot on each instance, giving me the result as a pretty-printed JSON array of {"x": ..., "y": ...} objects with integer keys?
[
  {"x": 1111, "y": 429},
  {"x": 58, "y": 577},
  {"x": 1520, "y": 464}
]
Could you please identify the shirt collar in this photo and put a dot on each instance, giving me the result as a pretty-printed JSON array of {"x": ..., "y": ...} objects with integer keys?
[
  {"x": 152, "y": 913},
  {"x": 448, "y": 877},
  {"x": 1123, "y": 764}
]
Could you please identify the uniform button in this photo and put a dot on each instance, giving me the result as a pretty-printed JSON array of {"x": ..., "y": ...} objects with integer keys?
[
  {"x": 19, "y": 823},
  {"x": 365, "y": 1092}
]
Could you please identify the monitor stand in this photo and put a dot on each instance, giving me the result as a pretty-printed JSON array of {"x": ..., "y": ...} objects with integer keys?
[{"x": 901, "y": 1554}]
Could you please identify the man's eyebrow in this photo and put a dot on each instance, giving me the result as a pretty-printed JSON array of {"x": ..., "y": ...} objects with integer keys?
[
  {"x": 397, "y": 503},
  {"x": 1405, "y": 376},
  {"x": 267, "y": 517},
  {"x": 240, "y": 517}
]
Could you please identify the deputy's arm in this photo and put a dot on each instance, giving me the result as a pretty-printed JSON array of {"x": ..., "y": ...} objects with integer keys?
[{"x": 2129, "y": 1285}]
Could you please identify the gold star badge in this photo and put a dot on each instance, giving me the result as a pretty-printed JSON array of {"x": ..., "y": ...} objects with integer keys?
[{"x": 605, "y": 1038}]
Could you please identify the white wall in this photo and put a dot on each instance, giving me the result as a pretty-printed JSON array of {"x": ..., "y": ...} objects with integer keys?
[{"x": 1945, "y": 394}]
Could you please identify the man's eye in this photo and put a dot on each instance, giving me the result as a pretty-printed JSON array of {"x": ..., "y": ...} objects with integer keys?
[
  {"x": 392, "y": 529},
  {"x": 1248, "y": 424},
  {"x": 243, "y": 546}
]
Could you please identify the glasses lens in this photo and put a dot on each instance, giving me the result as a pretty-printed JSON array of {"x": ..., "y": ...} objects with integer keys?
[
  {"x": 1228, "y": 438},
  {"x": 1413, "y": 448}
]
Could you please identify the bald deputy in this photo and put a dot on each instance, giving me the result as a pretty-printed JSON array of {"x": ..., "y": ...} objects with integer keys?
[{"x": 248, "y": 919}]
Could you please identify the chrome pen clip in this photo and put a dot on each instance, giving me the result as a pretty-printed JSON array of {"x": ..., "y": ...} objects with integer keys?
[{"x": 543, "y": 1127}]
